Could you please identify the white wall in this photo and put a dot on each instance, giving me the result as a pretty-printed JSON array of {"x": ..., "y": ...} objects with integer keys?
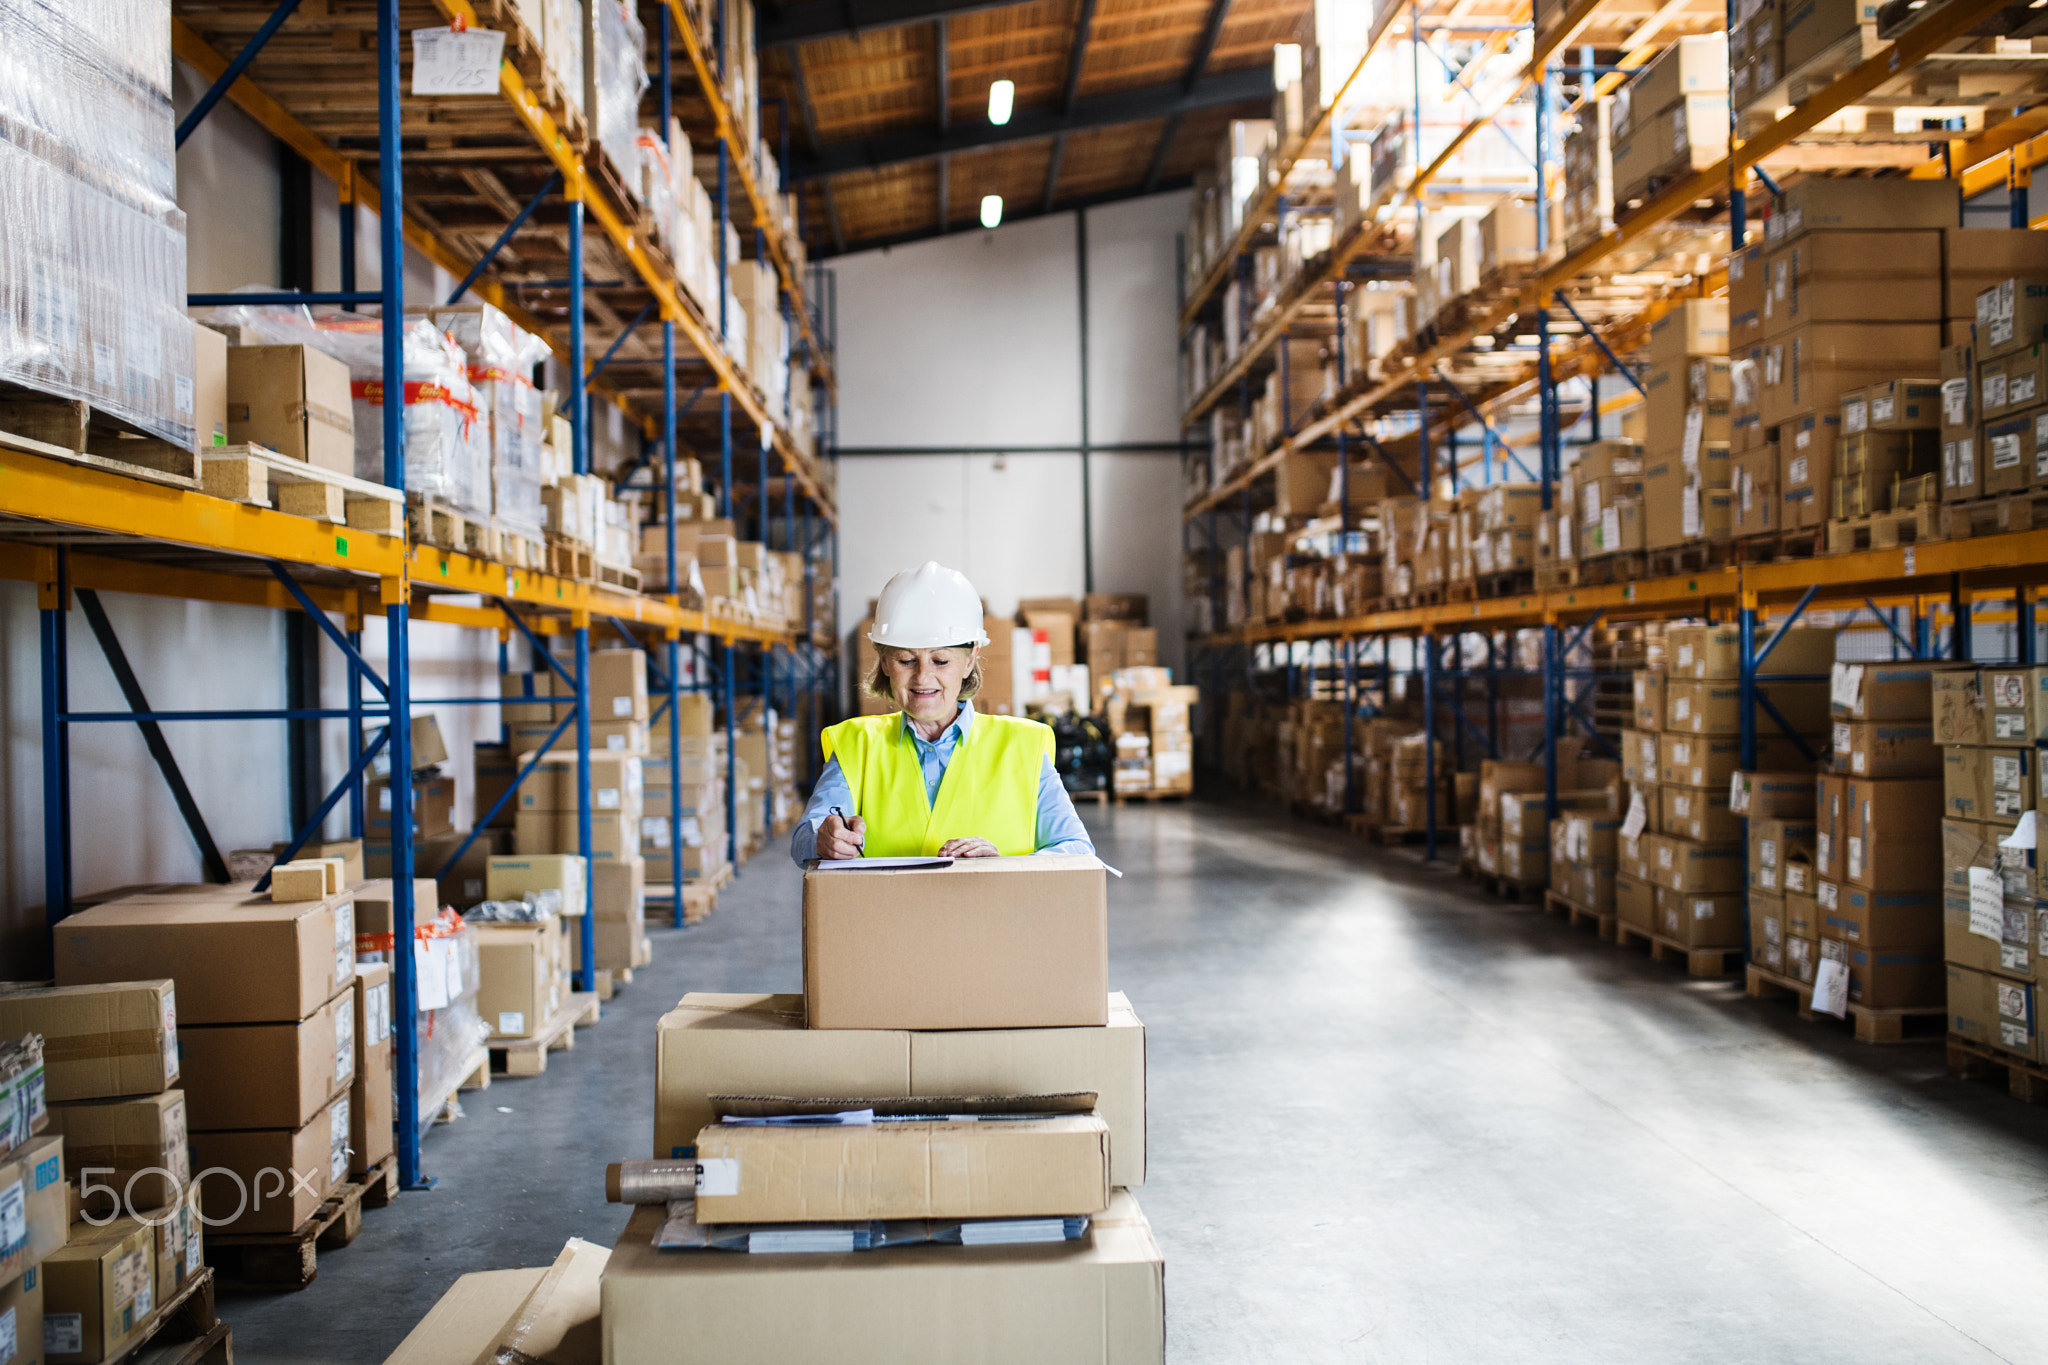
[{"x": 954, "y": 348}]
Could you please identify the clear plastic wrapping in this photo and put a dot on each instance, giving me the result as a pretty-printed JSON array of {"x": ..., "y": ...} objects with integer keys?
[
  {"x": 618, "y": 77},
  {"x": 92, "y": 245},
  {"x": 501, "y": 356},
  {"x": 449, "y": 1036}
]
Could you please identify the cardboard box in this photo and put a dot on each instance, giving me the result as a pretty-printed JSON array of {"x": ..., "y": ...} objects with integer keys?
[
  {"x": 98, "y": 1291},
  {"x": 370, "y": 1097},
  {"x": 1891, "y": 833},
  {"x": 21, "y": 1305},
  {"x": 210, "y": 389},
  {"x": 1890, "y": 978},
  {"x": 521, "y": 983},
  {"x": 1882, "y": 692},
  {"x": 271, "y": 1179},
  {"x": 1698, "y": 920},
  {"x": 1682, "y": 865},
  {"x": 1714, "y": 707},
  {"x": 1698, "y": 813},
  {"x": 2012, "y": 315},
  {"x": 100, "y": 1040},
  {"x": 1128, "y": 607},
  {"x": 1635, "y": 901},
  {"x": 179, "y": 1235},
  {"x": 295, "y": 400},
  {"x": 1802, "y": 956},
  {"x": 1961, "y": 709},
  {"x": 1767, "y": 931},
  {"x": 1994, "y": 1010},
  {"x": 1756, "y": 496},
  {"x": 1962, "y": 784},
  {"x": 984, "y": 943},
  {"x": 1885, "y": 919},
  {"x": 269, "y": 1075},
  {"x": 2016, "y": 704},
  {"x": 1775, "y": 845},
  {"x": 1824, "y": 277},
  {"x": 1022, "y": 1168},
  {"x": 1767, "y": 795},
  {"x": 1715, "y": 652},
  {"x": 1649, "y": 686},
  {"x": 1097, "y": 1301},
  {"x": 617, "y": 783},
  {"x": 1712, "y": 760},
  {"x": 236, "y": 959},
  {"x": 135, "y": 1148},
  {"x": 1818, "y": 203},
  {"x": 758, "y": 1045},
  {"x": 509, "y": 878},
  {"x": 1880, "y": 748},
  {"x": 32, "y": 1180}
]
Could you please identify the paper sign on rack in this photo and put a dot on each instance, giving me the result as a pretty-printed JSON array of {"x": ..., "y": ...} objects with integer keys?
[{"x": 446, "y": 61}]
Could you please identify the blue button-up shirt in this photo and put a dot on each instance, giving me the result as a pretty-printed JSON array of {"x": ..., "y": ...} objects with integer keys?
[{"x": 1059, "y": 826}]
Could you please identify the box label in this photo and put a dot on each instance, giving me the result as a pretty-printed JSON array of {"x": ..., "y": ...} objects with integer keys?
[
  {"x": 337, "y": 1141},
  {"x": 718, "y": 1176},
  {"x": 63, "y": 1333},
  {"x": 344, "y": 1039},
  {"x": 512, "y": 1021},
  {"x": 13, "y": 1218},
  {"x": 2005, "y": 448}
]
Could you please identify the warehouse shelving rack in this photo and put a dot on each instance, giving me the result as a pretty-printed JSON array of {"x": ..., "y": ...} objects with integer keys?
[
  {"x": 1935, "y": 587},
  {"x": 74, "y": 530}
]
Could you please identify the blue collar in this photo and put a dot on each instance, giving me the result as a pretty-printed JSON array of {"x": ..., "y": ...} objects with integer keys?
[{"x": 958, "y": 729}]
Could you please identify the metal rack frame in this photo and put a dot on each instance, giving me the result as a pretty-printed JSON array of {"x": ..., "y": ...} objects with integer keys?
[{"x": 160, "y": 541}]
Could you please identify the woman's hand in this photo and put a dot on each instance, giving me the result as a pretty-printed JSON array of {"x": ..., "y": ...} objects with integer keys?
[
  {"x": 839, "y": 838},
  {"x": 968, "y": 848}
]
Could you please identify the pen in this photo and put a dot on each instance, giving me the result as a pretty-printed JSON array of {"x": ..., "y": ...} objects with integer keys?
[{"x": 845, "y": 821}]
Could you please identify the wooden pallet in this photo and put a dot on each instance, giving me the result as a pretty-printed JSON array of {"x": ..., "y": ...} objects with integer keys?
[
  {"x": 1604, "y": 922},
  {"x": 1155, "y": 794},
  {"x": 1879, "y": 531},
  {"x": 605, "y": 981},
  {"x": 183, "y": 1330},
  {"x": 1514, "y": 583},
  {"x": 2024, "y": 1080},
  {"x": 72, "y": 429},
  {"x": 1702, "y": 962},
  {"x": 288, "y": 1260},
  {"x": 1099, "y": 798},
  {"x": 1508, "y": 889},
  {"x": 476, "y": 1075},
  {"x": 529, "y": 1056},
  {"x": 260, "y": 477},
  {"x": 1695, "y": 556},
  {"x": 380, "y": 1183},
  {"x": 566, "y": 559},
  {"x": 2022, "y": 511},
  {"x": 521, "y": 552},
  {"x": 1621, "y": 566},
  {"x": 1872, "y": 1026},
  {"x": 624, "y": 577},
  {"x": 1557, "y": 574}
]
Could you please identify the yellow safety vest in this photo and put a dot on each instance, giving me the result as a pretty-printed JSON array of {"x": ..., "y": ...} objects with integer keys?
[{"x": 990, "y": 790}]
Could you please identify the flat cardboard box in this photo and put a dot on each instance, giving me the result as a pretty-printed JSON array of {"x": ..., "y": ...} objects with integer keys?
[
  {"x": 1097, "y": 1301},
  {"x": 269, "y": 1075},
  {"x": 370, "y": 1097},
  {"x": 1881, "y": 748},
  {"x": 98, "y": 1291},
  {"x": 136, "y": 1147},
  {"x": 521, "y": 983},
  {"x": 1886, "y": 919},
  {"x": 271, "y": 1179},
  {"x": 295, "y": 400},
  {"x": 559, "y": 1322},
  {"x": 236, "y": 960},
  {"x": 99, "y": 1040},
  {"x": 758, "y": 1045},
  {"x": 509, "y": 878},
  {"x": 465, "y": 1322},
  {"x": 984, "y": 943},
  {"x": 36, "y": 1169},
  {"x": 1022, "y": 1168},
  {"x": 1682, "y": 865}
]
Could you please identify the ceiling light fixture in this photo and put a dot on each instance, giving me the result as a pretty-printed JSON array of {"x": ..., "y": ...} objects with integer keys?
[
  {"x": 991, "y": 210},
  {"x": 1002, "y": 98}
]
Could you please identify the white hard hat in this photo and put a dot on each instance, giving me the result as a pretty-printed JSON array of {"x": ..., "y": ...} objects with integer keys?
[{"x": 928, "y": 607}]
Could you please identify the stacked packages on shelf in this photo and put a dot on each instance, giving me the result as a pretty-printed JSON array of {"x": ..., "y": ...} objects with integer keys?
[{"x": 92, "y": 243}]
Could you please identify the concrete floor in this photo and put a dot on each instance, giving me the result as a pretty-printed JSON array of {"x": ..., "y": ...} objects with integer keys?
[{"x": 1390, "y": 1121}]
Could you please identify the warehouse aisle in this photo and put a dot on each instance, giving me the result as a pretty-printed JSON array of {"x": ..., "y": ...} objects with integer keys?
[{"x": 1390, "y": 1121}]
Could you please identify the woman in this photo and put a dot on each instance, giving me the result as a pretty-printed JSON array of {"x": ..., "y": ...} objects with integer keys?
[{"x": 935, "y": 777}]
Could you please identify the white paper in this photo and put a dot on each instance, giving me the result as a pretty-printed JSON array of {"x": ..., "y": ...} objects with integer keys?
[
  {"x": 1831, "y": 988},
  {"x": 878, "y": 864},
  {"x": 13, "y": 1216},
  {"x": 718, "y": 1176},
  {"x": 436, "y": 971},
  {"x": 445, "y": 62},
  {"x": 63, "y": 1333},
  {"x": 1637, "y": 818},
  {"x": 2022, "y": 835},
  {"x": 1845, "y": 685},
  {"x": 1012, "y": 1231},
  {"x": 1987, "y": 903},
  {"x": 1738, "y": 795}
]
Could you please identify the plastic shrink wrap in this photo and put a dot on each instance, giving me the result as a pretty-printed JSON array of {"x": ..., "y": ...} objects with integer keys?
[
  {"x": 618, "y": 78},
  {"x": 501, "y": 356},
  {"x": 92, "y": 245}
]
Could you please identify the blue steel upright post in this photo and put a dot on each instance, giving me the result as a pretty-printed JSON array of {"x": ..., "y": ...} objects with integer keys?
[{"x": 397, "y": 668}]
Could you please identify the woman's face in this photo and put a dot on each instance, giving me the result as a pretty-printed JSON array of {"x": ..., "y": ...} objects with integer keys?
[{"x": 927, "y": 682}]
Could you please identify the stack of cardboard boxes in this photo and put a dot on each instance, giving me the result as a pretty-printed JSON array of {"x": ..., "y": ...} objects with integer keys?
[
  {"x": 1686, "y": 468},
  {"x": 1670, "y": 120},
  {"x": 693, "y": 796},
  {"x": 1602, "y": 497},
  {"x": 32, "y": 1172},
  {"x": 1987, "y": 722},
  {"x": 977, "y": 987},
  {"x": 1144, "y": 705},
  {"x": 1682, "y": 852}
]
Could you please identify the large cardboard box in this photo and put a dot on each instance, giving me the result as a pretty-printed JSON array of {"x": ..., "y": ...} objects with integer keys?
[
  {"x": 758, "y": 1045},
  {"x": 1993, "y": 1010},
  {"x": 1698, "y": 813},
  {"x": 521, "y": 984},
  {"x": 271, "y": 1179},
  {"x": 1700, "y": 920},
  {"x": 294, "y": 400},
  {"x": 618, "y": 685},
  {"x": 1096, "y": 1301},
  {"x": 1682, "y": 865},
  {"x": 1826, "y": 277},
  {"x": 1884, "y": 919},
  {"x": 1716, "y": 651},
  {"x": 1886, "y": 748},
  {"x": 370, "y": 1097},
  {"x": 1018, "y": 1168},
  {"x": 1880, "y": 691},
  {"x": 984, "y": 943},
  {"x": 1819, "y": 202},
  {"x": 1891, "y": 833},
  {"x": 1711, "y": 760},
  {"x": 21, "y": 1300},
  {"x": 98, "y": 1291},
  {"x": 509, "y": 878},
  {"x": 32, "y": 1181},
  {"x": 1889, "y": 978},
  {"x": 101, "y": 1040},
  {"x": 269, "y": 1075},
  {"x": 236, "y": 960},
  {"x": 2016, "y": 702},
  {"x": 135, "y": 1147},
  {"x": 1635, "y": 901},
  {"x": 1810, "y": 366},
  {"x": 1961, "y": 712},
  {"x": 1767, "y": 931}
]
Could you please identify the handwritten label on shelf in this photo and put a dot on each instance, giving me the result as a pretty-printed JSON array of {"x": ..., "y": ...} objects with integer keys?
[{"x": 448, "y": 62}]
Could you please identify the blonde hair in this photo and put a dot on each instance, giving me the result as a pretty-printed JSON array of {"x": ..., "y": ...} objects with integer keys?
[{"x": 877, "y": 682}]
